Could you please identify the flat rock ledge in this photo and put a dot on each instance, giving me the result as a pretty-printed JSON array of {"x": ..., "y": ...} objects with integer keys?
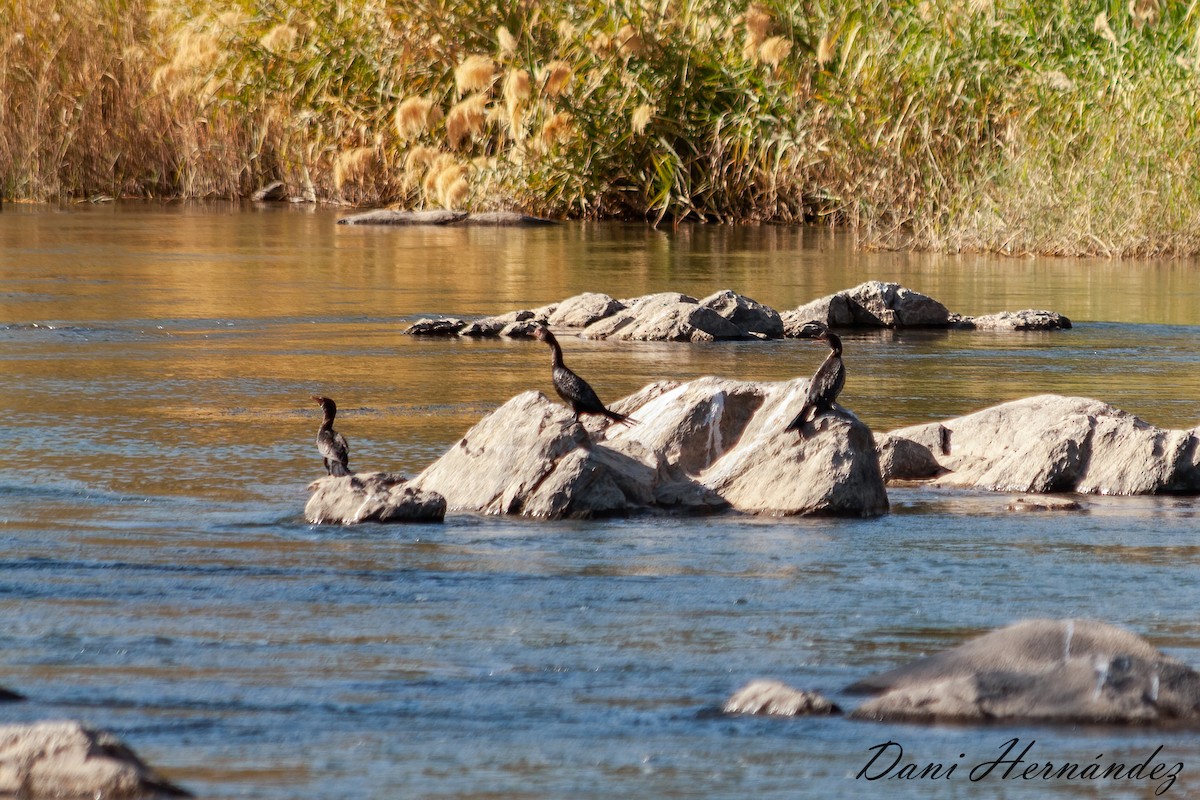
[
  {"x": 371, "y": 497},
  {"x": 1060, "y": 671},
  {"x": 1046, "y": 444},
  {"x": 390, "y": 216},
  {"x": 705, "y": 446},
  {"x": 727, "y": 315},
  {"x": 67, "y": 759}
]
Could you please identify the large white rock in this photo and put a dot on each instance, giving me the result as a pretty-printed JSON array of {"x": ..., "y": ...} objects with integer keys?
[
  {"x": 1051, "y": 443},
  {"x": 583, "y": 310},
  {"x": 66, "y": 759},
  {"x": 1070, "y": 671},
  {"x": 773, "y": 698},
  {"x": 834, "y": 469},
  {"x": 688, "y": 451}
]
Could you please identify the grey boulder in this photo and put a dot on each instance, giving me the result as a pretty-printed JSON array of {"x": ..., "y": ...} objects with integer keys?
[
  {"x": 1063, "y": 671},
  {"x": 67, "y": 759},
  {"x": 1050, "y": 443}
]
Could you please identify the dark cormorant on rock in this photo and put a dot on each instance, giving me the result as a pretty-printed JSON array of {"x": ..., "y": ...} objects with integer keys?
[
  {"x": 333, "y": 446},
  {"x": 826, "y": 383},
  {"x": 572, "y": 388}
]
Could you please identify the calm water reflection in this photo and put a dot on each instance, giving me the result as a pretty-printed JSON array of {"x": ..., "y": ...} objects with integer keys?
[{"x": 157, "y": 577}]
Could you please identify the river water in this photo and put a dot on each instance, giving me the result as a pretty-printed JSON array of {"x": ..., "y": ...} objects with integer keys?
[{"x": 157, "y": 577}]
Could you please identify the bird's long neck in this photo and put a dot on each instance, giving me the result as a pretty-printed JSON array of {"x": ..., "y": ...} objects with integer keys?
[
  {"x": 327, "y": 421},
  {"x": 835, "y": 346},
  {"x": 556, "y": 353}
]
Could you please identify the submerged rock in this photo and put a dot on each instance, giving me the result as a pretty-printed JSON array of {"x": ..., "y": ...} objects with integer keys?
[
  {"x": 778, "y": 699},
  {"x": 1067, "y": 671},
  {"x": 391, "y": 216},
  {"x": 66, "y": 759},
  {"x": 1027, "y": 320},
  {"x": 697, "y": 447},
  {"x": 371, "y": 497},
  {"x": 442, "y": 326},
  {"x": 1049, "y": 443}
]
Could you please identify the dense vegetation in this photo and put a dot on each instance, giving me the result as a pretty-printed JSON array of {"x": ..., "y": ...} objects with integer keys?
[{"x": 1047, "y": 127}]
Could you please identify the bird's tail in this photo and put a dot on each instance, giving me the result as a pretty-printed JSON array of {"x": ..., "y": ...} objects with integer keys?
[
  {"x": 801, "y": 420},
  {"x": 339, "y": 470},
  {"x": 621, "y": 418}
]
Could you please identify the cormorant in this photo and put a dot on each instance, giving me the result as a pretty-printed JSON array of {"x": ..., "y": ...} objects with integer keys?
[
  {"x": 333, "y": 446},
  {"x": 826, "y": 383},
  {"x": 572, "y": 388}
]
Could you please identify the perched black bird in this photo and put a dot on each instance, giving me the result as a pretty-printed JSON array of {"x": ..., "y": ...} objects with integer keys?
[
  {"x": 574, "y": 389},
  {"x": 826, "y": 383},
  {"x": 333, "y": 446}
]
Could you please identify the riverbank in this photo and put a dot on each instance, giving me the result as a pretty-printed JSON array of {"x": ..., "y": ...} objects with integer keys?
[{"x": 934, "y": 125}]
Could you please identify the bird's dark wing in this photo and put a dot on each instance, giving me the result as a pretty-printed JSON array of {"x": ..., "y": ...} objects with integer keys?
[
  {"x": 335, "y": 450},
  {"x": 827, "y": 383},
  {"x": 576, "y": 391}
]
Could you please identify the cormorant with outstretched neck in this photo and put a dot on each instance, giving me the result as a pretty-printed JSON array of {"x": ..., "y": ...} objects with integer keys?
[
  {"x": 333, "y": 446},
  {"x": 826, "y": 383},
  {"x": 572, "y": 388}
]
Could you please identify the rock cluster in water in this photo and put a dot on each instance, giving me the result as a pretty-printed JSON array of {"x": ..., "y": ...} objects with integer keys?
[
  {"x": 1060, "y": 671},
  {"x": 67, "y": 759},
  {"x": 1047, "y": 443},
  {"x": 714, "y": 444},
  {"x": 726, "y": 315},
  {"x": 702, "y": 446}
]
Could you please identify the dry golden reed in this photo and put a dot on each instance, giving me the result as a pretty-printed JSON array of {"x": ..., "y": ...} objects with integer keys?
[
  {"x": 505, "y": 41},
  {"x": 474, "y": 74},
  {"x": 413, "y": 117},
  {"x": 353, "y": 165},
  {"x": 774, "y": 50},
  {"x": 639, "y": 120},
  {"x": 555, "y": 77},
  {"x": 280, "y": 39},
  {"x": 466, "y": 120}
]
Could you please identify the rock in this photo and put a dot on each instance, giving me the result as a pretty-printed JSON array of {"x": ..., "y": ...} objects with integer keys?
[
  {"x": 371, "y": 497},
  {"x": 903, "y": 459},
  {"x": 10, "y": 697},
  {"x": 778, "y": 699},
  {"x": 508, "y": 324},
  {"x": 271, "y": 193},
  {"x": 1027, "y": 320},
  {"x": 689, "y": 426},
  {"x": 442, "y": 326},
  {"x": 506, "y": 219},
  {"x": 1044, "y": 503},
  {"x": 833, "y": 310},
  {"x": 890, "y": 305},
  {"x": 583, "y": 310},
  {"x": 66, "y": 759},
  {"x": 666, "y": 317},
  {"x": 391, "y": 216},
  {"x": 529, "y": 457},
  {"x": 872, "y": 304},
  {"x": 751, "y": 317},
  {"x": 1062, "y": 671},
  {"x": 1049, "y": 443},
  {"x": 388, "y": 216},
  {"x": 834, "y": 470}
]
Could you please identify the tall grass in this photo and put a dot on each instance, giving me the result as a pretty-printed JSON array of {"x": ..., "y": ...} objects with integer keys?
[{"x": 947, "y": 124}]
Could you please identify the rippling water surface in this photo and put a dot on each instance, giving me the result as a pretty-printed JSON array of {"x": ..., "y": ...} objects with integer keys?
[{"x": 157, "y": 577}]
